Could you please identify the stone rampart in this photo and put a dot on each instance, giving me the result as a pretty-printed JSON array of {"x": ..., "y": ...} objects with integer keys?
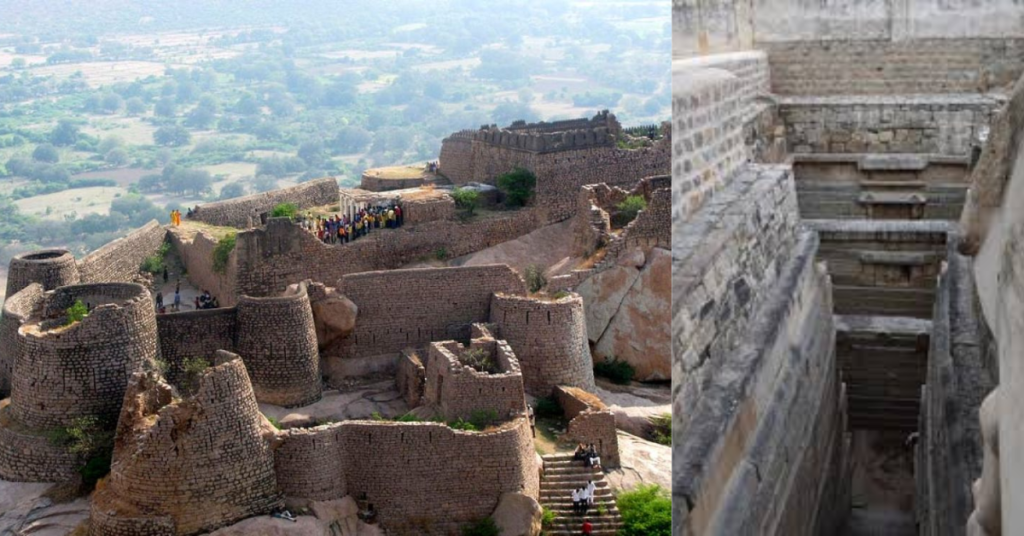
[
  {"x": 120, "y": 261},
  {"x": 196, "y": 252},
  {"x": 277, "y": 342},
  {"x": 549, "y": 337},
  {"x": 30, "y": 456},
  {"x": 16, "y": 311},
  {"x": 245, "y": 212},
  {"x": 310, "y": 463},
  {"x": 194, "y": 334},
  {"x": 402, "y": 308},
  {"x": 459, "y": 391},
  {"x": 194, "y": 464},
  {"x": 590, "y": 422},
  {"x": 51, "y": 268},
  {"x": 410, "y": 378},
  {"x": 62, "y": 372}
]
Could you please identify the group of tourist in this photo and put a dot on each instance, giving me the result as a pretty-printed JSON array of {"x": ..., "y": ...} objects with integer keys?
[
  {"x": 343, "y": 229},
  {"x": 176, "y": 304},
  {"x": 583, "y": 498},
  {"x": 433, "y": 166},
  {"x": 206, "y": 301},
  {"x": 588, "y": 454},
  {"x": 176, "y": 217}
]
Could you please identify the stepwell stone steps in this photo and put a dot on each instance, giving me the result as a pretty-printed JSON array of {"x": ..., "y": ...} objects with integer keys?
[{"x": 562, "y": 474}]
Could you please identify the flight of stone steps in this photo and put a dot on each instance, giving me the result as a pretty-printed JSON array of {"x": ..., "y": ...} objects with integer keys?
[{"x": 562, "y": 474}]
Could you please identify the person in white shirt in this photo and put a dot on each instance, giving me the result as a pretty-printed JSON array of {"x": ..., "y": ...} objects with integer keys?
[
  {"x": 591, "y": 489},
  {"x": 575, "y": 500},
  {"x": 584, "y": 499}
]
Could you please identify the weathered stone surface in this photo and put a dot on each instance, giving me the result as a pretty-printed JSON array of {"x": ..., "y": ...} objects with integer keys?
[
  {"x": 24, "y": 511},
  {"x": 643, "y": 462},
  {"x": 517, "y": 515},
  {"x": 334, "y": 318},
  {"x": 271, "y": 526},
  {"x": 638, "y": 333}
]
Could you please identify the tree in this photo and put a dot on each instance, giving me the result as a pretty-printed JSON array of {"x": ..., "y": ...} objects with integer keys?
[
  {"x": 351, "y": 139},
  {"x": 233, "y": 190},
  {"x": 646, "y": 511},
  {"x": 135, "y": 106},
  {"x": 517, "y": 186},
  {"x": 45, "y": 152},
  {"x": 166, "y": 107},
  {"x": 172, "y": 135},
  {"x": 18, "y": 63},
  {"x": 65, "y": 133},
  {"x": 201, "y": 118},
  {"x": 265, "y": 183},
  {"x": 112, "y": 103},
  {"x": 116, "y": 157},
  {"x": 466, "y": 199},
  {"x": 312, "y": 152},
  {"x": 189, "y": 180},
  {"x": 151, "y": 183},
  {"x": 109, "y": 144}
]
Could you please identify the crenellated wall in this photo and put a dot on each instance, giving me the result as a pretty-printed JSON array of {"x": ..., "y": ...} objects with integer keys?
[
  {"x": 51, "y": 268},
  {"x": 62, "y": 373},
  {"x": 245, "y": 212},
  {"x": 119, "y": 261},
  {"x": 192, "y": 464},
  {"x": 402, "y": 308},
  {"x": 277, "y": 341},
  {"x": 549, "y": 337}
]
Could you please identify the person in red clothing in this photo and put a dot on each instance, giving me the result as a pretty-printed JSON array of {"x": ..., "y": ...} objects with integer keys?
[{"x": 588, "y": 529}]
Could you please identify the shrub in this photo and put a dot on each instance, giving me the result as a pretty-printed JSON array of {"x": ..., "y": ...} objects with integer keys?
[
  {"x": 547, "y": 518},
  {"x": 408, "y": 417},
  {"x": 484, "y": 527},
  {"x": 547, "y": 407},
  {"x": 273, "y": 422},
  {"x": 88, "y": 438},
  {"x": 193, "y": 368},
  {"x": 517, "y": 185},
  {"x": 560, "y": 294},
  {"x": 156, "y": 263},
  {"x": 483, "y": 418},
  {"x": 441, "y": 254},
  {"x": 628, "y": 209},
  {"x": 285, "y": 210},
  {"x": 534, "y": 277},
  {"x": 466, "y": 200},
  {"x": 76, "y": 312},
  {"x": 96, "y": 467},
  {"x": 617, "y": 371},
  {"x": 662, "y": 433},
  {"x": 460, "y": 424},
  {"x": 222, "y": 252},
  {"x": 480, "y": 360},
  {"x": 646, "y": 511}
]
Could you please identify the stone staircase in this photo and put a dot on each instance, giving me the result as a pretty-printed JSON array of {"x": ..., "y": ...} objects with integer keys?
[{"x": 562, "y": 474}]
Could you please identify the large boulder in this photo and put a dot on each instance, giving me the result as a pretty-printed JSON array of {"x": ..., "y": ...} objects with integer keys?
[
  {"x": 518, "y": 515},
  {"x": 334, "y": 317}
]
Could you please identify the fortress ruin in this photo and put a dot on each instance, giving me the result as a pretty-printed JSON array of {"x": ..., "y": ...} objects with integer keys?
[
  {"x": 844, "y": 296},
  {"x": 441, "y": 341}
]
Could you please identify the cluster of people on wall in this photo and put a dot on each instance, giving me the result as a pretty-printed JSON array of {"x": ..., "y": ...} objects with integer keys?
[
  {"x": 583, "y": 498},
  {"x": 588, "y": 454},
  {"x": 202, "y": 301},
  {"x": 343, "y": 229},
  {"x": 433, "y": 166}
]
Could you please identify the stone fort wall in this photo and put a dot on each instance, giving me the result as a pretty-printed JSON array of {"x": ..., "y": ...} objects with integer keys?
[
  {"x": 196, "y": 253},
  {"x": 119, "y": 261},
  {"x": 418, "y": 476},
  {"x": 270, "y": 259},
  {"x": 277, "y": 341},
  {"x": 549, "y": 338},
  {"x": 51, "y": 268},
  {"x": 244, "y": 212},
  {"x": 195, "y": 334},
  {"x": 561, "y": 174},
  {"x": 62, "y": 373},
  {"x": 193, "y": 464},
  {"x": 402, "y": 308},
  {"x": 459, "y": 391},
  {"x": 16, "y": 311}
]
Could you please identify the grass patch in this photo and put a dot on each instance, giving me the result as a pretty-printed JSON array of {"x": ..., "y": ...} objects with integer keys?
[
  {"x": 479, "y": 360},
  {"x": 628, "y": 209},
  {"x": 156, "y": 263}
]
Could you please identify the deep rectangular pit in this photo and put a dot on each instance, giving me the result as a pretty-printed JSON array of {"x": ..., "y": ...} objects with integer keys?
[{"x": 880, "y": 187}]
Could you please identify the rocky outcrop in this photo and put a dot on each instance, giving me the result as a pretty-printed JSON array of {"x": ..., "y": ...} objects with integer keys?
[
  {"x": 517, "y": 515},
  {"x": 334, "y": 315},
  {"x": 628, "y": 309}
]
